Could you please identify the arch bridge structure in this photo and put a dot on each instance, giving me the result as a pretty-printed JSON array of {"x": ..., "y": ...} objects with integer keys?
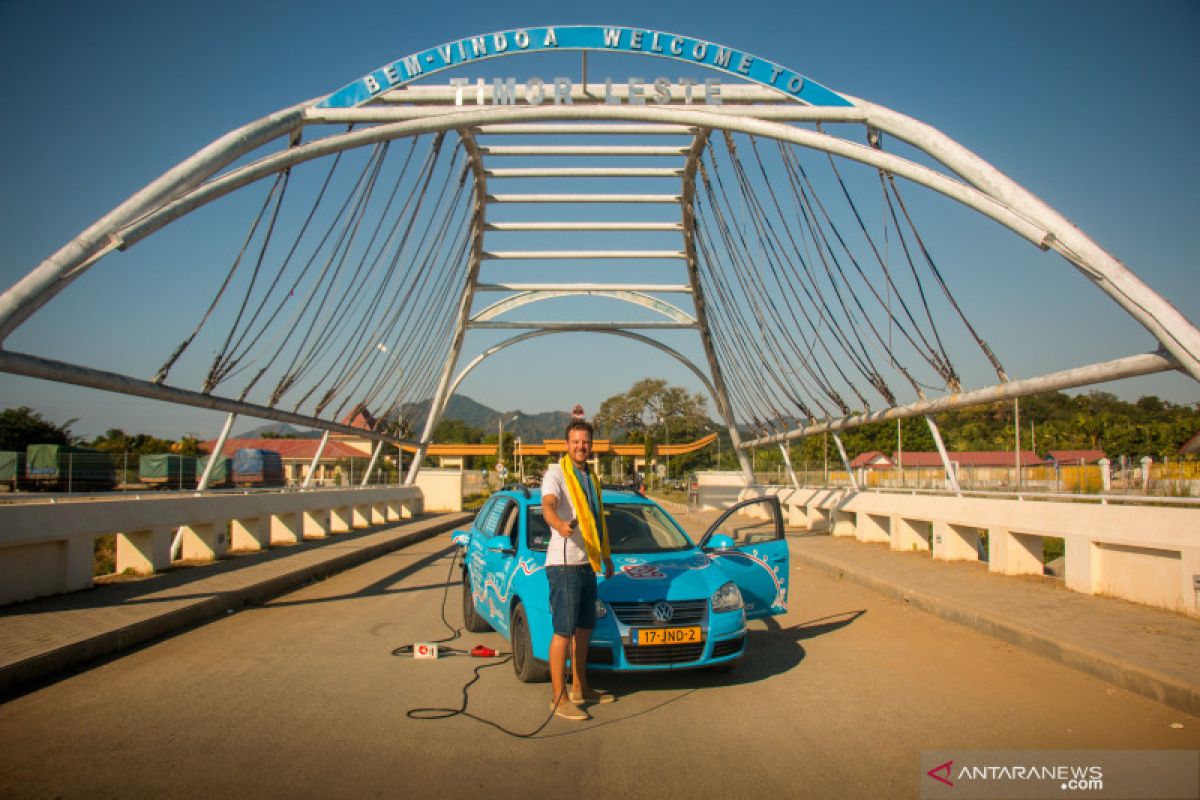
[{"x": 737, "y": 216}]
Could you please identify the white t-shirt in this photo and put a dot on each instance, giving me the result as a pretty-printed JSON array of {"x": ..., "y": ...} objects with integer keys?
[{"x": 562, "y": 550}]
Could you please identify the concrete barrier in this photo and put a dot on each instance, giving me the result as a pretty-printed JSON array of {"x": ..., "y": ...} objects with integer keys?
[
  {"x": 1147, "y": 554},
  {"x": 47, "y": 548}
]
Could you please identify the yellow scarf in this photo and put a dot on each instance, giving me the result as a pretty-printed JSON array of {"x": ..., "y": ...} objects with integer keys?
[{"x": 595, "y": 544}]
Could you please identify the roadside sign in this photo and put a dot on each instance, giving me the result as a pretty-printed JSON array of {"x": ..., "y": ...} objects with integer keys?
[
  {"x": 661, "y": 470},
  {"x": 502, "y": 471}
]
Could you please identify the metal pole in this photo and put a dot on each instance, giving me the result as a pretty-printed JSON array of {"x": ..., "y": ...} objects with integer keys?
[
  {"x": 371, "y": 466},
  {"x": 951, "y": 477},
  {"x": 316, "y": 459},
  {"x": 216, "y": 454},
  {"x": 1017, "y": 440},
  {"x": 846, "y": 461},
  {"x": 787, "y": 459}
]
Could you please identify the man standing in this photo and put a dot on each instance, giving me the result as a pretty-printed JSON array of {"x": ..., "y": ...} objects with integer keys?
[{"x": 572, "y": 507}]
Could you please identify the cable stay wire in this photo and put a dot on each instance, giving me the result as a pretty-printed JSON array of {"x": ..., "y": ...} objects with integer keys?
[{"x": 983, "y": 345}]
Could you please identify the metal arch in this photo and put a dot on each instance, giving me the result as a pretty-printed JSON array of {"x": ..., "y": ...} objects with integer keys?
[
  {"x": 637, "y": 337},
  {"x": 642, "y": 299},
  {"x": 997, "y": 196}
]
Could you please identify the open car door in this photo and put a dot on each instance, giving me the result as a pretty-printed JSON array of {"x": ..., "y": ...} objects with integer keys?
[{"x": 748, "y": 542}]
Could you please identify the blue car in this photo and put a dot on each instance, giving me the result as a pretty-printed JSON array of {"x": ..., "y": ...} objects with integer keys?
[{"x": 672, "y": 603}]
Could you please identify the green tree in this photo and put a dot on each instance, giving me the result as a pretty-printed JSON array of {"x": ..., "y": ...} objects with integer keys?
[{"x": 22, "y": 426}]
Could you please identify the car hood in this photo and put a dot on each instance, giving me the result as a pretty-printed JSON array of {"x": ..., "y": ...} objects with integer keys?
[{"x": 643, "y": 577}]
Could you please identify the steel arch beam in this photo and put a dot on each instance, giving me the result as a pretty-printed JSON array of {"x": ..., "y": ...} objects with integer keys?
[
  {"x": 637, "y": 337},
  {"x": 669, "y": 310}
]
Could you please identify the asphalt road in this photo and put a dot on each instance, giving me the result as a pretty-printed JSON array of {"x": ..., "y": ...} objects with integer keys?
[{"x": 302, "y": 697}]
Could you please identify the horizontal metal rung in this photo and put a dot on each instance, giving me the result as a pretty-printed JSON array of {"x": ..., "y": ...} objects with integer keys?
[
  {"x": 581, "y": 150},
  {"x": 583, "y": 226},
  {"x": 557, "y": 129},
  {"x": 585, "y": 172},
  {"x": 584, "y": 198},
  {"x": 583, "y": 326},
  {"x": 502, "y": 255},
  {"x": 672, "y": 288}
]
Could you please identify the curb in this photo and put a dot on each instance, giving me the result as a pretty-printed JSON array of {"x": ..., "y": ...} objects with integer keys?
[
  {"x": 106, "y": 643},
  {"x": 1139, "y": 680}
]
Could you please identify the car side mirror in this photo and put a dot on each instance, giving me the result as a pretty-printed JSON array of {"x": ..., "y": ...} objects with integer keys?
[
  {"x": 460, "y": 538},
  {"x": 500, "y": 544},
  {"x": 719, "y": 541}
]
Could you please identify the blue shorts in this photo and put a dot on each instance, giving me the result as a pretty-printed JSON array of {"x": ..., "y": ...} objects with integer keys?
[{"x": 572, "y": 598}]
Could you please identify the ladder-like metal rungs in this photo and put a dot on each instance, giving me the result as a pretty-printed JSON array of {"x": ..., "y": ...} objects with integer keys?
[
  {"x": 583, "y": 226},
  {"x": 523, "y": 255},
  {"x": 584, "y": 198},
  {"x": 585, "y": 172},
  {"x": 670, "y": 288},
  {"x": 581, "y": 150},
  {"x": 555, "y": 129},
  {"x": 585, "y": 326}
]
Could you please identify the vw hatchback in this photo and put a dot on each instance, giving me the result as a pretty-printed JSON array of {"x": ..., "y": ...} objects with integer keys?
[{"x": 672, "y": 603}]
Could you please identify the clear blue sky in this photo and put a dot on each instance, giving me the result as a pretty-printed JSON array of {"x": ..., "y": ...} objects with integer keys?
[{"x": 1091, "y": 105}]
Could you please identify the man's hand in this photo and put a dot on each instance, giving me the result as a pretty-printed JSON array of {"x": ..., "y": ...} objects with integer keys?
[{"x": 609, "y": 570}]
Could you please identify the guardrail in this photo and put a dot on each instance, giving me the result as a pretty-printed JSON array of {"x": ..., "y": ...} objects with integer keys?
[
  {"x": 47, "y": 547},
  {"x": 1147, "y": 554}
]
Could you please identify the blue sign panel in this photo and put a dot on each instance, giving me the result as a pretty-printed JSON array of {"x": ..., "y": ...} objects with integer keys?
[{"x": 740, "y": 64}]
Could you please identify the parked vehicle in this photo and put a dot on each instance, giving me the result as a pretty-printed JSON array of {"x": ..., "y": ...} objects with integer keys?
[
  {"x": 167, "y": 470},
  {"x": 672, "y": 604},
  {"x": 53, "y": 467},
  {"x": 257, "y": 468},
  {"x": 222, "y": 474}
]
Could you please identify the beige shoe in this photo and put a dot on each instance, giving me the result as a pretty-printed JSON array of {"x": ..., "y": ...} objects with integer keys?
[
  {"x": 569, "y": 712},
  {"x": 592, "y": 696}
]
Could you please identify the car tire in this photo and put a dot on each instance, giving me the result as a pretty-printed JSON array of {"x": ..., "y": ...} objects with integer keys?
[
  {"x": 472, "y": 621},
  {"x": 528, "y": 668}
]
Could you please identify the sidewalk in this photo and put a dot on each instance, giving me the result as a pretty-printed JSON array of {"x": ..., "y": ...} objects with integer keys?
[
  {"x": 41, "y": 638},
  {"x": 1149, "y": 651}
]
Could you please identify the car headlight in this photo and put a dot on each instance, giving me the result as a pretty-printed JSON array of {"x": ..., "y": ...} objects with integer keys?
[
  {"x": 601, "y": 610},
  {"x": 727, "y": 598}
]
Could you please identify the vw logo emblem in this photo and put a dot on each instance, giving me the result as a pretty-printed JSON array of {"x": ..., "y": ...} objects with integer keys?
[{"x": 663, "y": 611}]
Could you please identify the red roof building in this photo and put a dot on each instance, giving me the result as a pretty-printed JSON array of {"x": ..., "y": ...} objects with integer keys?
[{"x": 1076, "y": 456}]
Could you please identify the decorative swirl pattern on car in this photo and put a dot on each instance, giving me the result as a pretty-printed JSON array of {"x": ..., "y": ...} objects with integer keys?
[
  {"x": 753, "y": 555},
  {"x": 481, "y": 596}
]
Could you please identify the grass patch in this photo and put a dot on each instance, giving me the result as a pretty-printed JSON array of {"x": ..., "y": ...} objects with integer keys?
[{"x": 104, "y": 555}]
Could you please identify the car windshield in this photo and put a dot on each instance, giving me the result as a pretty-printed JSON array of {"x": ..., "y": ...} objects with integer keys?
[{"x": 632, "y": 528}]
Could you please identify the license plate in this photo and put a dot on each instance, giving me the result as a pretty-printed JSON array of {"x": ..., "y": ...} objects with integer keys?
[{"x": 641, "y": 637}]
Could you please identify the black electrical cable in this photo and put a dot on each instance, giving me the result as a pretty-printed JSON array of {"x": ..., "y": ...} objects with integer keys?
[{"x": 434, "y": 712}]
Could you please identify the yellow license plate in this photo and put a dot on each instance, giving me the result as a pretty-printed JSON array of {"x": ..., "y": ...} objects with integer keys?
[{"x": 640, "y": 637}]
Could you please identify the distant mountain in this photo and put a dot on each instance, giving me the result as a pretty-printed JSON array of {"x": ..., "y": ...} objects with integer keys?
[
  {"x": 278, "y": 429},
  {"x": 530, "y": 427}
]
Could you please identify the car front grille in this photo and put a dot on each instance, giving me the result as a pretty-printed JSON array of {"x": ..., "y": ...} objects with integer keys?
[
  {"x": 728, "y": 647},
  {"x": 664, "y": 654},
  {"x": 686, "y": 612}
]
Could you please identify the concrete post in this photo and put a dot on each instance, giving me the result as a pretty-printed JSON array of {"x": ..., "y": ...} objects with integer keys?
[
  {"x": 203, "y": 541},
  {"x": 909, "y": 534},
  {"x": 1146, "y": 462},
  {"x": 286, "y": 528},
  {"x": 873, "y": 528},
  {"x": 1011, "y": 553},
  {"x": 247, "y": 535},
  {"x": 1082, "y": 564},
  {"x": 144, "y": 552},
  {"x": 1105, "y": 475},
  {"x": 955, "y": 542},
  {"x": 340, "y": 519}
]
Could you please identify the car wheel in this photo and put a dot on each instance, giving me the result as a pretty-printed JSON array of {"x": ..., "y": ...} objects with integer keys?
[
  {"x": 472, "y": 621},
  {"x": 524, "y": 664}
]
